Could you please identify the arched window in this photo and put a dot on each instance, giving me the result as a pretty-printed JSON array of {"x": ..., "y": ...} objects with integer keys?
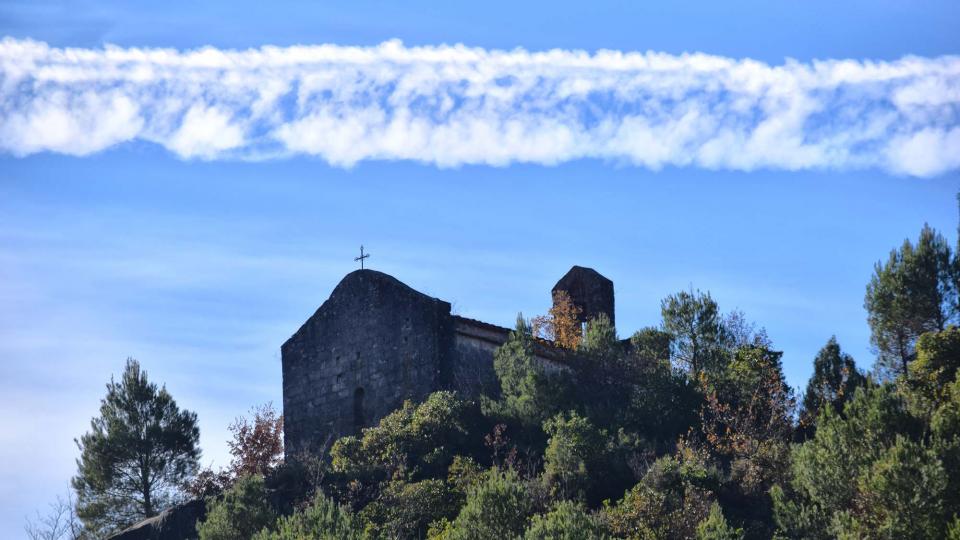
[{"x": 358, "y": 420}]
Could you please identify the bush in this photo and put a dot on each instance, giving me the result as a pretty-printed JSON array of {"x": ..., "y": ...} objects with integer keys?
[
  {"x": 499, "y": 508},
  {"x": 241, "y": 512},
  {"x": 322, "y": 520},
  {"x": 672, "y": 499},
  {"x": 567, "y": 521},
  {"x": 715, "y": 527},
  {"x": 405, "y": 510},
  {"x": 415, "y": 441}
]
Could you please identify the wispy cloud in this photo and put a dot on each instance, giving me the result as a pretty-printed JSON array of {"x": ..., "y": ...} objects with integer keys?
[{"x": 455, "y": 105}]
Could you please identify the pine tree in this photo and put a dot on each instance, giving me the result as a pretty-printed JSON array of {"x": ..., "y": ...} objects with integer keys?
[
  {"x": 912, "y": 293},
  {"x": 694, "y": 321},
  {"x": 137, "y": 456},
  {"x": 834, "y": 380}
]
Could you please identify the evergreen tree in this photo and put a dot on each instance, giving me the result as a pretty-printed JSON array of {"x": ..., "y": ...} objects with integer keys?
[
  {"x": 823, "y": 489},
  {"x": 834, "y": 380},
  {"x": 695, "y": 323},
  {"x": 606, "y": 376},
  {"x": 912, "y": 293},
  {"x": 650, "y": 349},
  {"x": 528, "y": 394},
  {"x": 137, "y": 456},
  {"x": 663, "y": 402},
  {"x": 935, "y": 367},
  {"x": 600, "y": 340},
  {"x": 901, "y": 495}
]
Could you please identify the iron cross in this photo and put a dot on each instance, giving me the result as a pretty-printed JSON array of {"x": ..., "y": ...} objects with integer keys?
[{"x": 361, "y": 257}]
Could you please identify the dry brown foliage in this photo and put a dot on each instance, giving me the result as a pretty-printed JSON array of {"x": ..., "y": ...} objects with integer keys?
[
  {"x": 257, "y": 444},
  {"x": 561, "y": 324}
]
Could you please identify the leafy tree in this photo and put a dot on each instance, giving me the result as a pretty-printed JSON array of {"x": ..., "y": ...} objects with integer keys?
[
  {"x": 748, "y": 403},
  {"x": 694, "y": 321},
  {"x": 256, "y": 448},
  {"x": 573, "y": 454},
  {"x": 834, "y": 380},
  {"x": 566, "y": 521},
  {"x": 740, "y": 332},
  {"x": 464, "y": 473},
  {"x": 322, "y": 520},
  {"x": 747, "y": 421},
  {"x": 242, "y": 511},
  {"x": 913, "y": 292},
  {"x": 257, "y": 444},
  {"x": 561, "y": 325},
  {"x": 498, "y": 507},
  {"x": 715, "y": 527},
  {"x": 136, "y": 456}
]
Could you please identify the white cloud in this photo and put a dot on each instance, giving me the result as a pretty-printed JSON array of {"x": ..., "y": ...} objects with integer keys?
[
  {"x": 455, "y": 105},
  {"x": 926, "y": 152},
  {"x": 205, "y": 132}
]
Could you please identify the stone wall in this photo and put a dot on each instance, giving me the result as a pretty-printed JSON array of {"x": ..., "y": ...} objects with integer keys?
[
  {"x": 475, "y": 343},
  {"x": 374, "y": 343}
]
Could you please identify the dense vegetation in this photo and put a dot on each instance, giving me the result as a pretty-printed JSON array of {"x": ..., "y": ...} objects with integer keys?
[{"x": 684, "y": 430}]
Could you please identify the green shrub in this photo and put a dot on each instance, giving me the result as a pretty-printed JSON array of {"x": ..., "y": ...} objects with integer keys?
[
  {"x": 567, "y": 521},
  {"x": 322, "y": 520},
  {"x": 498, "y": 508},
  {"x": 242, "y": 511},
  {"x": 715, "y": 527}
]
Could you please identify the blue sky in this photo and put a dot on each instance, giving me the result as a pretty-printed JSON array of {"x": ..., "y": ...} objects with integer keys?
[{"x": 199, "y": 251}]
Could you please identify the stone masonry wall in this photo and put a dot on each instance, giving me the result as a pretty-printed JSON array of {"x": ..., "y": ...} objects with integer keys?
[{"x": 372, "y": 344}]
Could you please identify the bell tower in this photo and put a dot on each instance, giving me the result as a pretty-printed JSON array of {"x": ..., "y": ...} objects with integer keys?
[{"x": 589, "y": 291}]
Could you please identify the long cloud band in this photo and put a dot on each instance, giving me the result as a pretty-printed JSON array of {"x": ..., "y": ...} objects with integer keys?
[{"x": 455, "y": 105}]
